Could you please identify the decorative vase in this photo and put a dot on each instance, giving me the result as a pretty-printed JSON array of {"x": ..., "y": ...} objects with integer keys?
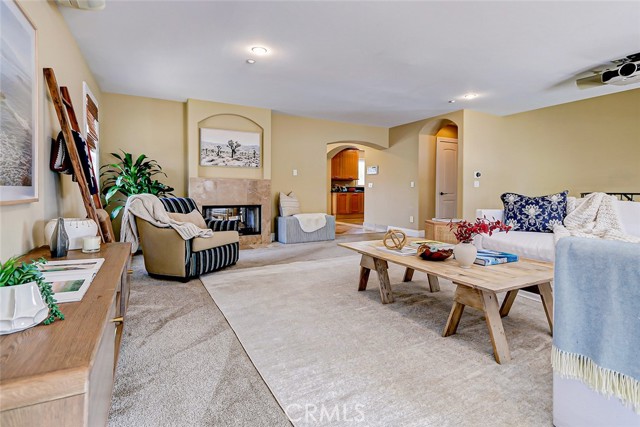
[
  {"x": 59, "y": 245},
  {"x": 77, "y": 229},
  {"x": 465, "y": 254},
  {"x": 21, "y": 307}
]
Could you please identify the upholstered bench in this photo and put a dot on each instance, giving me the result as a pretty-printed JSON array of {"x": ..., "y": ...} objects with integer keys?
[
  {"x": 291, "y": 224},
  {"x": 289, "y": 230}
]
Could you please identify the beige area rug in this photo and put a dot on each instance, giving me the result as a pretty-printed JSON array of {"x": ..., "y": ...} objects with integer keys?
[{"x": 335, "y": 356}]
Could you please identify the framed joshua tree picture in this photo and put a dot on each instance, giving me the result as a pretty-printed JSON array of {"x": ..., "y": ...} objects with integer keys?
[
  {"x": 18, "y": 106},
  {"x": 230, "y": 148}
]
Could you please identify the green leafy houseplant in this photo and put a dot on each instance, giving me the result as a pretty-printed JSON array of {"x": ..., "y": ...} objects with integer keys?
[
  {"x": 128, "y": 178},
  {"x": 14, "y": 273}
]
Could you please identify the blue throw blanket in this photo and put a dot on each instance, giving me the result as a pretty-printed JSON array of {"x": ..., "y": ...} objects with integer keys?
[{"x": 597, "y": 315}]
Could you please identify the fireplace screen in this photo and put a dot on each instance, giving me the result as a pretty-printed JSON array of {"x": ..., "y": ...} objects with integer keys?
[{"x": 248, "y": 217}]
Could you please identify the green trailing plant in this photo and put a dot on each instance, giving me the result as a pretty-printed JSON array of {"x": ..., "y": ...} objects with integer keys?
[
  {"x": 14, "y": 273},
  {"x": 129, "y": 177}
]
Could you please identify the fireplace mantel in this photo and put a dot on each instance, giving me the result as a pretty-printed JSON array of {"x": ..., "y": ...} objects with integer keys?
[{"x": 231, "y": 192}]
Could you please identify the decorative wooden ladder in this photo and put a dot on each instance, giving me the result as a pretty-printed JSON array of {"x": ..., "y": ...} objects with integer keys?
[
  {"x": 73, "y": 121},
  {"x": 67, "y": 120}
]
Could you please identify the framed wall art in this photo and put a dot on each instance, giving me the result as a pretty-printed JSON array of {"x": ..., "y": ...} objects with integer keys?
[
  {"x": 18, "y": 106},
  {"x": 230, "y": 148}
]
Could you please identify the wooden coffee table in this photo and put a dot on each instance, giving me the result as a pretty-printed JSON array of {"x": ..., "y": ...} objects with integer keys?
[{"x": 476, "y": 287}]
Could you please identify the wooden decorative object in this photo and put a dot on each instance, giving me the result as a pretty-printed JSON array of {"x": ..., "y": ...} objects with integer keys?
[
  {"x": 398, "y": 239},
  {"x": 65, "y": 125}
]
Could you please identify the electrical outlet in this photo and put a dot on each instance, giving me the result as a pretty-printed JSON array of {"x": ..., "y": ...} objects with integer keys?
[
  {"x": 411, "y": 219},
  {"x": 295, "y": 172},
  {"x": 371, "y": 185},
  {"x": 413, "y": 184}
]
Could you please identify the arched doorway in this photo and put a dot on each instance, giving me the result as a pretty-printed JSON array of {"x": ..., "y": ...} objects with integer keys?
[
  {"x": 346, "y": 185},
  {"x": 446, "y": 129}
]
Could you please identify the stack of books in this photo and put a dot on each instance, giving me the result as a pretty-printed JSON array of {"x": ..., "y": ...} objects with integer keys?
[
  {"x": 405, "y": 251},
  {"x": 487, "y": 257}
]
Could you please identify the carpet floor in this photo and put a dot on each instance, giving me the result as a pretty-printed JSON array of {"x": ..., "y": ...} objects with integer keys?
[
  {"x": 181, "y": 364},
  {"x": 322, "y": 346}
]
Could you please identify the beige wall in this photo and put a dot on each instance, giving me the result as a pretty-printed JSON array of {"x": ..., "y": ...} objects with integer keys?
[
  {"x": 146, "y": 126},
  {"x": 301, "y": 143},
  {"x": 22, "y": 225},
  {"x": 589, "y": 145}
]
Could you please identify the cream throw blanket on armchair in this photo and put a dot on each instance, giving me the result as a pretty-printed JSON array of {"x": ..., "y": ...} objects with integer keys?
[
  {"x": 594, "y": 217},
  {"x": 149, "y": 208}
]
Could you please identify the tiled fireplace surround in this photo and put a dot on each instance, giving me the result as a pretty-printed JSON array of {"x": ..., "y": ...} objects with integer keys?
[{"x": 231, "y": 191}]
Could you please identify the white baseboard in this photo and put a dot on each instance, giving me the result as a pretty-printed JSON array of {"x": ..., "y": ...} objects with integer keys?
[
  {"x": 374, "y": 227},
  {"x": 408, "y": 231}
]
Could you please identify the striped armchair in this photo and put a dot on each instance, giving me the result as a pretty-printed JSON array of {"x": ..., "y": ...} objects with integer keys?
[{"x": 167, "y": 254}]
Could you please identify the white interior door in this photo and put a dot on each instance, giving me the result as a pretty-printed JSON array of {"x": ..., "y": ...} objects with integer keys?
[{"x": 446, "y": 178}]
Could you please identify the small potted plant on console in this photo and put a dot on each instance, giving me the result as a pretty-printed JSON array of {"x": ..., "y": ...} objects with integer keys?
[{"x": 25, "y": 298}]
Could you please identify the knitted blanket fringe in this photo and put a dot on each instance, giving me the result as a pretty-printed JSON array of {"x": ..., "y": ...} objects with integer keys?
[{"x": 604, "y": 381}]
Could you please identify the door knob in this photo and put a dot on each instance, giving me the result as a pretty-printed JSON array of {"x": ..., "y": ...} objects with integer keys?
[{"x": 442, "y": 194}]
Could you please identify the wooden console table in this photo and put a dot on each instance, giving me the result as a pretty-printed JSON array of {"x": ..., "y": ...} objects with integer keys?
[{"x": 62, "y": 374}]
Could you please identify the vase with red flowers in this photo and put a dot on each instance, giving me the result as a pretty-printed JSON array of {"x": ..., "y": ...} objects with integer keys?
[{"x": 465, "y": 252}]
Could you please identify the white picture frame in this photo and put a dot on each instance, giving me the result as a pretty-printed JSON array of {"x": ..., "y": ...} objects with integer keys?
[
  {"x": 218, "y": 148},
  {"x": 19, "y": 127}
]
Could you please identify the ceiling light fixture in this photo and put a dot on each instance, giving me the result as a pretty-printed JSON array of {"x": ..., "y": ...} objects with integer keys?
[
  {"x": 259, "y": 50},
  {"x": 451, "y": 101},
  {"x": 251, "y": 61},
  {"x": 470, "y": 96}
]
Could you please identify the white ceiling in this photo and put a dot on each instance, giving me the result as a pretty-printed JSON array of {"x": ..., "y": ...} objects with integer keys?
[{"x": 376, "y": 63}]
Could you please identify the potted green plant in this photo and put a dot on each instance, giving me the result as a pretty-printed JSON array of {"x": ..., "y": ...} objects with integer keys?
[
  {"x": 129, "y": 177},
  {"x": 26, "y": 299}
]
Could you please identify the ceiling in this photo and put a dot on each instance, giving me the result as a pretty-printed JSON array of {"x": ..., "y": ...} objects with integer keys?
[{"x": 379, "y": 63}]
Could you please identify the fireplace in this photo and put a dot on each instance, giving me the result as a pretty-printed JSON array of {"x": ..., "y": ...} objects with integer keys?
[
  {"x": 248, "y": 216},
  {"x": 232, "y": 192}
]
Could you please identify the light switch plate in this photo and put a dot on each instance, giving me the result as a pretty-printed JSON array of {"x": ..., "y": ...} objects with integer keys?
[
  {"x": 371, "y": 185},
  {"x": 476, "y": 183},
  {"x": 295, "y": 172}
]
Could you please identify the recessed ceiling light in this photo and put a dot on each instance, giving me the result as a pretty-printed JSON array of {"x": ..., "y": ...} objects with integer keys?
[
  {"x": 470, "y": 96},
  {"x": 259, "y": 50},
  {"x": 251, "y": 61}
]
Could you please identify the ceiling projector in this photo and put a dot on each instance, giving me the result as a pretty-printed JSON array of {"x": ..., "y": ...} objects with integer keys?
[
  {"x": 625, "y": 72},
  {"x": 623, "y": 75}
]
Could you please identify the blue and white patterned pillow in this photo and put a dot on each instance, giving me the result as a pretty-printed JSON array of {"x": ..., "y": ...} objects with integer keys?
[{"x": 539, "y": 214}]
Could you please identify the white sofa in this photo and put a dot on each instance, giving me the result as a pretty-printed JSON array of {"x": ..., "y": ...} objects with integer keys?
[{"x": 541, "y": 246}]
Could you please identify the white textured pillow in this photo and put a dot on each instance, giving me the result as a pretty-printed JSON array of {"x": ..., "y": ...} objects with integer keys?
[
  {"x": 193, "y": 217},
  {"x": 289, "y": 204}
]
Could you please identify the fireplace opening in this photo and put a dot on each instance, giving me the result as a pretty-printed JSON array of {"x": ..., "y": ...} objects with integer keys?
[{"x": 249, "y": 217}]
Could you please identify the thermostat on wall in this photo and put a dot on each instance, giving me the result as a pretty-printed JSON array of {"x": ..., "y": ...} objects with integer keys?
[{"x": 372, "y": 170}]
